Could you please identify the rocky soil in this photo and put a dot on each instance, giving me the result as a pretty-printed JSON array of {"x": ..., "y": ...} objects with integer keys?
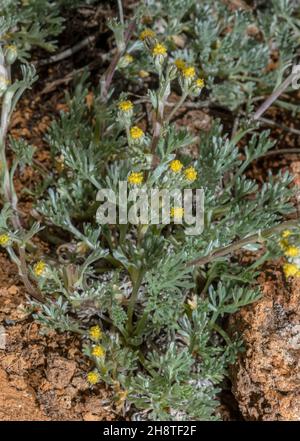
[{"x": 266, "y": 379}]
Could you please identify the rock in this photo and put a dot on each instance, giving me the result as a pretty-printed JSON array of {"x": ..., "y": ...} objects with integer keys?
[
  {"x": 179, "y": 40},
  {"x": 266, "y": 379},
  {"x": 80, "y": 383},
  {"x": 91, "y": 417},
  {"x": 60, "y": 372},
  {"x": 17, "y": 405},
  {"x": 196, "y": 120},
  {"x": 94, "y": 405},
  {"x": 235, "y": 5},
  {"x": 95, "y": 408},
  {"x": 13, "y": 290}
]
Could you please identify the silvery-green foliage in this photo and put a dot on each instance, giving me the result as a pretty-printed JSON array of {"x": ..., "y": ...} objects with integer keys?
[
  {"x": 166, "y": 349},
  {"x": 33, "y": 23},
  {"x": 232, "y": 47},
  {"x": 178, "y": 352}
]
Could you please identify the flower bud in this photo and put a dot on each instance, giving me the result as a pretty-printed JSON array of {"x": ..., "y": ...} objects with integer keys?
[
  {"x": 125, "y": 61},
  {"x": 197, "y": 87},
  {"x": 11, "y": 54},
  {"x": 82, "y": 248}
]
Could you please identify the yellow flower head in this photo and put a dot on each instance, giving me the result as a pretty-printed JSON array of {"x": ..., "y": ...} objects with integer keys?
[
  {"x": 98, "y": 351},
  {"x": 4, "y": 240},
  {"x": 290, "y": 269},
  {"x": 180, "y": 63},
  {"x": 93, "y": 377},
  {"x": 159, "y": 49},
  {"x": 292, "y": 251},
  {"x": 128, "y": 58},
  {"x": 286, "y": 233},
  {"x": 136, "y": 132},
  {"x": 95, "y": 333},
  {"x": 177, "y": 212},
  {"x": 176, "y": 166},
  {"x": 39, "y": 268},
  {"x": 125, "y": 106},
  {"x": 200, "y": 83},
  {"x": 147, "y": 33},
  {"x": 135, "y": 178},
  {"x": 189, "y": 72},
  {"x": 190, "y": 174}
]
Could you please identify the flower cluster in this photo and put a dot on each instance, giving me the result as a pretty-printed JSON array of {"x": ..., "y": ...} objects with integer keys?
[
  {"x": 97, "y": 351},
  {"x": 141, "y": 280},
  {"x": 188, "y": 74},
  {"x": 158, "y": 50},
  {"x": 189, "y": 173},
  {"x": 291, "y": 249}
]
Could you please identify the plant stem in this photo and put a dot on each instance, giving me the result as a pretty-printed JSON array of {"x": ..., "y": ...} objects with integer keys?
[
  {"x": 9, "y": 192},
  {"x": 177, "y": 106},
  {"x": 133, "y": 299},
  {"x": 109, "y": 74},
  {"x": 254, "y": 238},
  {"x": 270, "y": 100},
  {"x": 224, "y": 334},
  {"x": 158, "y": 118},
  {"x": 141, "y": 324},
  {"x": 121, "y": 14}
]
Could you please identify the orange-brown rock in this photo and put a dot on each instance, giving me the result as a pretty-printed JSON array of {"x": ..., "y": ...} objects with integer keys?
[
  {"x": 18, "y": 405},
  {"x": 266, "y": 379}
]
